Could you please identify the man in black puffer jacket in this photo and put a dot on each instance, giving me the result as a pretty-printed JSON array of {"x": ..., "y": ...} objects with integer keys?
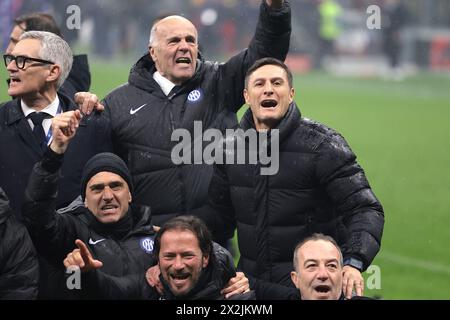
[
  {"x": 317, "y": 187},
  {"x": 192, "y": 267},
  {"x": 169, "y": 89},
  {"x": 119, "y": 234},
  {"x": 19, "y": 268}
]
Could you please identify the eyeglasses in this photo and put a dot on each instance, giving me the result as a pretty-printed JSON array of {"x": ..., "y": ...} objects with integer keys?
[{"x": 22, "y": 60}]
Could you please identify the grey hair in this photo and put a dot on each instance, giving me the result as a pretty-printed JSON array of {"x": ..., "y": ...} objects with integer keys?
[
  {"x": 55, "y": 49},
  {"x": 316, "y": 237}
]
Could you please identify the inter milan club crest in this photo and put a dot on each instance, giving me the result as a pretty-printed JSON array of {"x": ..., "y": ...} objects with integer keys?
[
  {"x": 194, "y": 95},
  {"x": 147, "y": 244}
]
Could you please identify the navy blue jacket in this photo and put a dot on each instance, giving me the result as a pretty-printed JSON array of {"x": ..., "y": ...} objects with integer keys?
[{"x": 19, "y": 151}]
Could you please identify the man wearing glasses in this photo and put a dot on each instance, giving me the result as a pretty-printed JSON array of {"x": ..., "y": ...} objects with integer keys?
[
  {"x": 79, "y": 78},
  {"x": 38, "y": 66}
]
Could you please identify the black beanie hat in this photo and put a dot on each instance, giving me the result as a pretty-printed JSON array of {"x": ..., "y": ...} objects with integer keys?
[{"x": 105, "y": 161}]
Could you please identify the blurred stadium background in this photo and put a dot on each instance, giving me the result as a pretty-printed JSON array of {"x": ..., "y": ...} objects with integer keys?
[{"x": 397, "y": 121}]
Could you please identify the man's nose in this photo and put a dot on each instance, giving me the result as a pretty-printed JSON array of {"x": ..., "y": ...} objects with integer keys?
[
  {"x": 11, "y": 66},
  {"x": 322, "y": 273},
  {"x": 178, "y": 263},
  {"x": 183, "y": 45},
  {"x": 107, "y": 194},
  {"x": 268, "y": 88}
]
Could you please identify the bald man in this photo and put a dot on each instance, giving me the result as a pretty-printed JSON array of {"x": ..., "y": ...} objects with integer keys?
[{"x": 171, "y": 87}]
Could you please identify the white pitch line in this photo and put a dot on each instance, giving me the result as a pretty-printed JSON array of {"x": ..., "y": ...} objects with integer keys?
[{"x": 417, "y": 263}]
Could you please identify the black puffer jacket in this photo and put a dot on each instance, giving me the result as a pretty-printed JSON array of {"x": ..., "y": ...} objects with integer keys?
[
  {"x": 19, "y": 268},
  {"x": 143, "y": 118},
  {"x": 212, "y": 280},
  {"x": 124, "y": 247},
  {"x": 319, "y": 188}
]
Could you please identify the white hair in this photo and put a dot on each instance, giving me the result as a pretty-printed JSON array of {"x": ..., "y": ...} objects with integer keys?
[
  {"x": 54, "y": 49},
  {"x": 152, "y": 40}
]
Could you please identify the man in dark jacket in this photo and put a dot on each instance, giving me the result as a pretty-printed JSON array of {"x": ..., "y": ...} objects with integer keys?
[
  {"x": 19, "y": 268},
  {"x": 169, "y": 89},
  {"x": 318, "y": 269},
  {"x": 318, "y": 187},
  {"x": 118, "y": 233},
  {"x": 192, "y": 266},
  {"x": 37, "y": 66},
  {"x": 79, "y": 78}
]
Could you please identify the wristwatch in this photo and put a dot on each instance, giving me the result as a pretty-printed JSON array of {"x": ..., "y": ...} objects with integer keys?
[{"x": 353, "y": 262}]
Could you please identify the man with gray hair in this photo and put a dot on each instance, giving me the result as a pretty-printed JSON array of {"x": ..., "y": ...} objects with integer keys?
[
  {"x": 318, "y": 273},
  {"x": 37, "y": 66},
  {"x": 79, "y": 78}
]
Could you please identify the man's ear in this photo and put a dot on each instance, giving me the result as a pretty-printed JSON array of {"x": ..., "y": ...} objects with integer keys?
[
  {"x": 151, "y": 51},
  {"x": 246, "y": 97},
  {"x": 205, "y": 261},
  {"x": 294, "y": 278},
  {"x": 291, "y": 95},
  {"x": 130, "y": 198},
  {"x": 55, "y": 73}
]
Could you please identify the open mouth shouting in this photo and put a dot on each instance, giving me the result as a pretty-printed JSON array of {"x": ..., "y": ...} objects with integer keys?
[
  {"x": 179, "y": 278},
  {"x": 183, "y": 60},
  {"x": 13, "y": 80},
  {"x": 269, "y": 103},
  {"x": 322, "y": 290}
]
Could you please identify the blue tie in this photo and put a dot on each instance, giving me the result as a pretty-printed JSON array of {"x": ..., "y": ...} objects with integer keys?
[{"x": 38, "y": 130}]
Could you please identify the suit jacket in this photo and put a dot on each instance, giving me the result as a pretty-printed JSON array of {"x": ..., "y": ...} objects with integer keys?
[{"x": 19, "y": 151}]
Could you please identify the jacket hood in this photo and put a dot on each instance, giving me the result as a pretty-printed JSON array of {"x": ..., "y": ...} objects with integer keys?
[
  {"x": 79, "y": 78},
  {"x": 5, "y": 209},
  {"x": 290, "y": 121},
  {"x": 80, "y": 74},
  {"x": 140, "y": 222}
]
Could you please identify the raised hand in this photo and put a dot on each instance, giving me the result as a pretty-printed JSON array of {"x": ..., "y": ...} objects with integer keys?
[
  {"x": 152, "y": 276},
  {"x": 87, "y": 102},
  {"x": 82, "y": 258},
  {"x": 64, "y": 127}
]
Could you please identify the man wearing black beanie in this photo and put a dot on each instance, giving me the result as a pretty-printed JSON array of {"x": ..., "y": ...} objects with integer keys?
[
  {"x": 115, "y": 232},
  {"x": 105, "y": 161}
]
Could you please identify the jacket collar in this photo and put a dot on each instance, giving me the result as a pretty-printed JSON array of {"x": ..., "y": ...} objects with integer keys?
[
  {"x": 289, "y": 122},
  {"x": 14, "y": 111},
  {"x": 140, "y": 221}
]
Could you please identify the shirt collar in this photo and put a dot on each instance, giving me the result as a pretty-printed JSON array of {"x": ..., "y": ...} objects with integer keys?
[
  {"x": 165, "y": 84},
  {"x": 51, "y": 109}
]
